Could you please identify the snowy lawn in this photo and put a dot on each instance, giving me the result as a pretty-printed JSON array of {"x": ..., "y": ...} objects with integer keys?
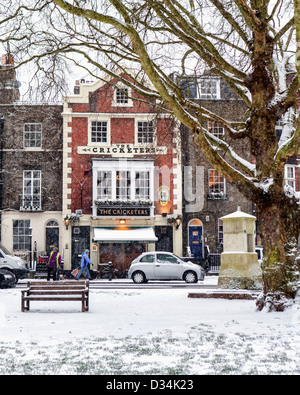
[{"x": 146, "y": 332}]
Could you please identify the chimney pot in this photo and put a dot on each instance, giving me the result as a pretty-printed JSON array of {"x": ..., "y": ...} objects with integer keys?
[{"x": 7, "y": 59}]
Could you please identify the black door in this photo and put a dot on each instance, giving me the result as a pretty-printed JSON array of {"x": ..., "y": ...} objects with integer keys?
[
  {"x": 80, "y": 242},
  {"x": 52, "y": 239},
  {"x": 165, "y": 238}
]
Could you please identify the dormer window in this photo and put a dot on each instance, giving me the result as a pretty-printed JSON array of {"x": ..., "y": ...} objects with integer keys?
[
  {"x": 122, "y": 96},
  {"x": 209, "y": 89},
  {"x": 203, "y": 88}
]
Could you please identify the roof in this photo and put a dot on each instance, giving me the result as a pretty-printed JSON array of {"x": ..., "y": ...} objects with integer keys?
[{"x": 238, "y": 214}]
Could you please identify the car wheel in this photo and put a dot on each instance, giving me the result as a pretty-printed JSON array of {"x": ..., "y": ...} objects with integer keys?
[
  {"x": 190, "y": 277},
  {"x": 139, "y": 277}
]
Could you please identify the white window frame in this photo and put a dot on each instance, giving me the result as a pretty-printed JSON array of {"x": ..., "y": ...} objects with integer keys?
[
  {"x": 211, "y": 192},
  {"x": 145, "y": 120},
  {"x": 29, "y": 197},
  {"x": 206, "y": 96},
  {"x": 21, "y": 235},
  {"x": 32, "y": 132},
  {"x": 216, "y": 129},
  {"x": 99, "y": 118},
  {"x": 132, "y": 167},
  {"x": 290, "y": 176},
  {"x": 117, "y": 88}
]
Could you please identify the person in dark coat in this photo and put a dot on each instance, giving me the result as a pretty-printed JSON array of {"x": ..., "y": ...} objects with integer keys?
[{"x": 54, "y": 264}]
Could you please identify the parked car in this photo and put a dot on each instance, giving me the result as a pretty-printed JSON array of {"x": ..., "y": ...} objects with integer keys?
[
  {"x": 13, "y": 263},
  {"x": 7, "y": 279},
  {"x": 164, "y": 266}
]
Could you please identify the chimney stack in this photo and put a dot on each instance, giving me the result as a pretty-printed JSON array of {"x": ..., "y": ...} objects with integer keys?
[
  {"x": 9, "y": 86},
  {"x": 7, "y": 60}
]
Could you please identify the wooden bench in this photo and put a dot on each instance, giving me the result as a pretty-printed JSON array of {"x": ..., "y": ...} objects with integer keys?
[{"x": 69, "y": 291}]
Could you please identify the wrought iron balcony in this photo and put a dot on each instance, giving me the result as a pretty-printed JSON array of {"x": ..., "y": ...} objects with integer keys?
[{"x": 30, "y": 203}]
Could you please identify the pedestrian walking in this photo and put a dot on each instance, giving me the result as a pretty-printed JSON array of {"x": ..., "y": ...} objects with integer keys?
[
  {"x": 54, "y": 264},
  {"x": 85, "y": 261}
]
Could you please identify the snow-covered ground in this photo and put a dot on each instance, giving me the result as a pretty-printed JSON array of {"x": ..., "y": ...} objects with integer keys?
[{"x": 146, "y": 331}]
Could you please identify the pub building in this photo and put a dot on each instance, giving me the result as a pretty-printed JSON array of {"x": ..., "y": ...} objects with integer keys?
[{"x": 122, "y": 176}]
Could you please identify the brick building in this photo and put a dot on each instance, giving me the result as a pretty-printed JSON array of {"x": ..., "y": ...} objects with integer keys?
[
  {"x": 121, "y": 176},
  {"x": 207, "y": 195},
  {"x": 31, "y": 169}
]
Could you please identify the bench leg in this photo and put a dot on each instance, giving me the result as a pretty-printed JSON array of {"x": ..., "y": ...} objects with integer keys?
[{"x": 24, "y": 304}]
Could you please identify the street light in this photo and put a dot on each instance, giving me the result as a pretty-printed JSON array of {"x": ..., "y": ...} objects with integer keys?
[
  {"x": 178, "y": 221},
  {"x": 67, "y": 221}
]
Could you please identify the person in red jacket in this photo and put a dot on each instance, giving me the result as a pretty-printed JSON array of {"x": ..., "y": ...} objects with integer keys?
[{"x": 54, "y": 264}]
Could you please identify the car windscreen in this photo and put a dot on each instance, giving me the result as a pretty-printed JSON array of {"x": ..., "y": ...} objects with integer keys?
[{"x": 5, "y": 250}]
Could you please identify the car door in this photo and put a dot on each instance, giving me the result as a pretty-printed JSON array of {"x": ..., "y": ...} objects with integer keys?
[
  {"x": 167, "y": 267},
  {"x": 147, "y": 264}
]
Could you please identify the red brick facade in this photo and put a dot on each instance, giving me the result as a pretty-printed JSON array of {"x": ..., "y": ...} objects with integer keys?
[{"x": 96, "y": 105}]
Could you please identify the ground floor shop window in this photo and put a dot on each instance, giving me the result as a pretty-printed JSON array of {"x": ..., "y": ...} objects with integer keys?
[{"x": 120, "y": 254}]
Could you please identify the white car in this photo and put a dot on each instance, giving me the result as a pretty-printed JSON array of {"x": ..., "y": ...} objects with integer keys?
[{"x": 164, "y": 266}]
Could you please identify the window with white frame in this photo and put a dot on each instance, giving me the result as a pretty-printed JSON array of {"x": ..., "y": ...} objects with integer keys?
[
  {"x": 145, "y": 132},
  {"x": 216, "y": 184},
  {"x": 31, "y": 190},
  {"x": 21, "y": 235},
  {"x": 123, "y": 181},
  {"x": 117, "y": 185},
  {"x": 32, "y": 135},
  {"x": 104, "y": 185},
  {"x": 209, "y": 89},
  {"x": 142, "y": 185},
  {"x": 290, "y": 176},
  {"x": 216, "y": 129},
  {"x": 99, "y": 131},
  {"x": 123, "y": 185},
  {"x": 122, "y": 95}
]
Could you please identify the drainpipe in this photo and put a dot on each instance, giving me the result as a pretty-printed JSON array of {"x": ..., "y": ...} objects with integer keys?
[{"x": 1, "y": 168}]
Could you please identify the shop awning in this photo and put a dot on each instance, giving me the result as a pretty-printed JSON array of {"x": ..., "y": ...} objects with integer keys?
[{"x": 128, "y": 235}]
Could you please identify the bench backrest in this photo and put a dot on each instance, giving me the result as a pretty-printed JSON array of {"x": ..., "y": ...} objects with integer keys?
[{"x": 46, "y": 285}]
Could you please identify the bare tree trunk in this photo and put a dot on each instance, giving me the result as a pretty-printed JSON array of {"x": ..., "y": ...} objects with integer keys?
[{"x": 279, "y": 228}]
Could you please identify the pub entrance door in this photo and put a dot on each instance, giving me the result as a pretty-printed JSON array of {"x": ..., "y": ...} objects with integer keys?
[{"x": 80, "y": 242}]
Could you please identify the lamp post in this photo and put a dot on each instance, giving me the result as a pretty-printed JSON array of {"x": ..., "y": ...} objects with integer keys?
[
  {"x": 178, "y": 221},
  {"x": 67, "y": 221}
]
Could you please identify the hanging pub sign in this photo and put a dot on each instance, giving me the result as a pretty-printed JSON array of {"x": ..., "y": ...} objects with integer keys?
[{"x": 163, "y": 195}]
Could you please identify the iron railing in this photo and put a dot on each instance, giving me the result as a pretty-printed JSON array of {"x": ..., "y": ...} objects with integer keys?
[
  {"x": 30, "y": 203},
  {"x": 214, "y": 263}
]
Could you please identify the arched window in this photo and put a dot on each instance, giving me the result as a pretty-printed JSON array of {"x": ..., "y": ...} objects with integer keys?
[
  {"x": 52, "y": 224},
  {"x": 195, "y": 222}
]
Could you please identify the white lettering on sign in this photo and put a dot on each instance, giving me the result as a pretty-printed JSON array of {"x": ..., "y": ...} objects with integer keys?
[{"x": 121, "y": 150}]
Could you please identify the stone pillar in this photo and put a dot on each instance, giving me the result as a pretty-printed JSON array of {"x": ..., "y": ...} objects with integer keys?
[{"x": 240, "y": 268}]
